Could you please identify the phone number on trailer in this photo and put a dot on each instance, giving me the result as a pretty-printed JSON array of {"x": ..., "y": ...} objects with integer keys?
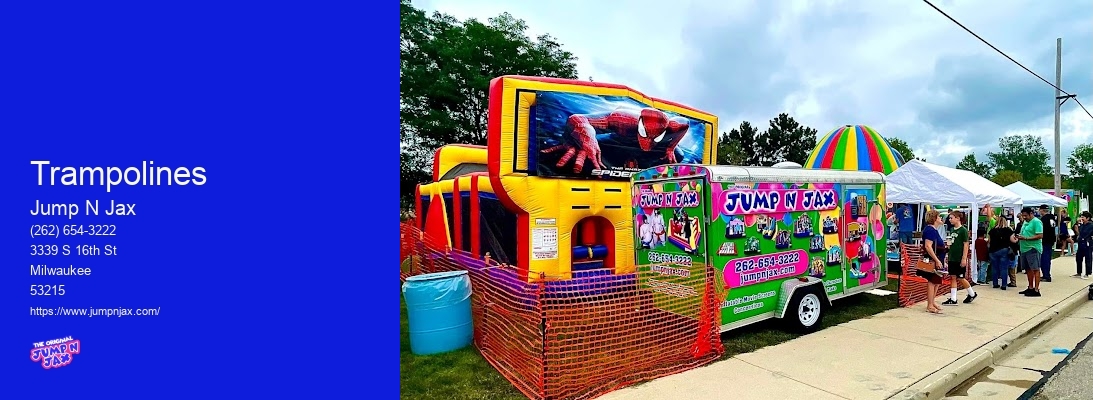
[
  {"x": 72, "y": 230},
  {"x": 771, "y": 261}
]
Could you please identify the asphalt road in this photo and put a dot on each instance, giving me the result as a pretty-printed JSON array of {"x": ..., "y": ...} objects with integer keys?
[
  {"x": 1074, "y": 380},
  {"x": 1035, "y": 372}
]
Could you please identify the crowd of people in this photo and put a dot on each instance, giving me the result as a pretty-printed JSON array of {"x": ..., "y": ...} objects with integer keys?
[{"x": 1001, "y": 252}]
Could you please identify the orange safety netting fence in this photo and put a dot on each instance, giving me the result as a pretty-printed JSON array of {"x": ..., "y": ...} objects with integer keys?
[
  {"x": 912, "y": 288},
  {"x": 583, "y": 337}
]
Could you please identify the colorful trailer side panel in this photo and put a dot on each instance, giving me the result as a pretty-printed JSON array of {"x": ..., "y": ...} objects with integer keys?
[{"x": 760, "y": 233}]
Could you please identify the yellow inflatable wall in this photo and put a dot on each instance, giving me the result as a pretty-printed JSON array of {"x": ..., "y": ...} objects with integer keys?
[
  {"x": 450, "y": 156},
  {"x": 543, "y": 166}
]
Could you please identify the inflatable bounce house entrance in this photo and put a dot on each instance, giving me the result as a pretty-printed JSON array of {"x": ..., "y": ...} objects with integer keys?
[{"x": 550, "y": 193}]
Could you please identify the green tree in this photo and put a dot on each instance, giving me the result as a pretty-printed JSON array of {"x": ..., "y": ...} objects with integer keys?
[
  {"x": 901, "y": 147},
  {"x": 969, "y": 163},
  {"x": 1080, "y": 164},
  {"x": 745, "y": 139},
  {"x": 1048, "y": 182},
  {"x": 445, "y": 69},
  {"x": 729, "y": 151},
  {"x": 1006, "y": 177},
  {"x": 1024, "y": 154},
  {"x": 411, "y": 172},
  {"x": 785, "y": 140}
]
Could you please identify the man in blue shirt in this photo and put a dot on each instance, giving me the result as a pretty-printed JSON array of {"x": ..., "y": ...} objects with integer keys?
[{"x": 906, "y": 223}]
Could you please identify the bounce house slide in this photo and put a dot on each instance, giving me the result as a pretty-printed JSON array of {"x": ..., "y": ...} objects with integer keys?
[{"x": 550, "y": 193}]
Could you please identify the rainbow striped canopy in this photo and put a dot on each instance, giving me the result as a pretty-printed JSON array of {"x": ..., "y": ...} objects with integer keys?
[{"x": 854, "y": 148}]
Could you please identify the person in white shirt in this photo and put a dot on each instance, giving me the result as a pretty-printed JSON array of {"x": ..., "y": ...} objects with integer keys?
[
  {"x": 645, "y": 232},
  {"x": 656, "y": 220}
]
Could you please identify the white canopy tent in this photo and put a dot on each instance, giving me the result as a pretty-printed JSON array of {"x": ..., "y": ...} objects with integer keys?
[
  {"x": 918, "y": 182},
  {"x": 1034, "y": 197}
]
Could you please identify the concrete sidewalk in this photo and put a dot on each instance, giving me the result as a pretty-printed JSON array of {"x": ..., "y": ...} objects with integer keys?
[{"x": 904, "y": 353}]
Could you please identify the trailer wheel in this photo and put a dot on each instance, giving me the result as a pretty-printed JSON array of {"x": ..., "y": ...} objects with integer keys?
[{"x": 806, "y": 310}]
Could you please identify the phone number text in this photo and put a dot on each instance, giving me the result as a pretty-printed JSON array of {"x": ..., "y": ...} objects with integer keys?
[
  {"x": 72, "y": 230},
  {"x": 771, "y": 261}
]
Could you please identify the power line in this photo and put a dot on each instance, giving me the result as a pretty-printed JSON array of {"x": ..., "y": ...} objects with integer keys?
[
  {"x": 1008, "y": 57},
  {"x": 1083, "y": 107}
]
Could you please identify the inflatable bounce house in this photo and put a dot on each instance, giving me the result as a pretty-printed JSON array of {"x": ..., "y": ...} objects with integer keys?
[{"x": 550, "y": 193}]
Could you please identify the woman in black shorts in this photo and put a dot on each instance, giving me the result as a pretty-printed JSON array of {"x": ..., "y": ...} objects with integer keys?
[{"x": 933, "y": 246}]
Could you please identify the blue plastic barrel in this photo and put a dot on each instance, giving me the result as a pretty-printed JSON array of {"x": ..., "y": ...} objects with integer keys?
[{"x": 438, "y": 307}]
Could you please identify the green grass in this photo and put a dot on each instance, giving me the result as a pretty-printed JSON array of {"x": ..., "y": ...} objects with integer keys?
[
  {"x": 464, "y": 374},
  {"x": 459, "y": 375},
  {"x": 771, "y": 332}
]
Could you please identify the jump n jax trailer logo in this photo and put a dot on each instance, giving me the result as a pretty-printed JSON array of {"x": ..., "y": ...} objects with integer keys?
[{"x": 55, "y": 353}]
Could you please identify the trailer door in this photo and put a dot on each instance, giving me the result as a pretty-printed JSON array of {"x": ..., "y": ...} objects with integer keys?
[
  {"x": 670, "y": 243},
  {"x": 863, "y": 230}
]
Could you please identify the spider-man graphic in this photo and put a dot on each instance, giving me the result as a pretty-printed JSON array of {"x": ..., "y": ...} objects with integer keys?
[{"x": 637, "y": 138}]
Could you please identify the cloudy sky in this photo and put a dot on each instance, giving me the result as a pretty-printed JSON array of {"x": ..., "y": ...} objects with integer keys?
[{"x": 896, "y": 65}]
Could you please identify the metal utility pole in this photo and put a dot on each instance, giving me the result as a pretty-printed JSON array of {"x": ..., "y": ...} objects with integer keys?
[{"x": 1058, "y": 104}]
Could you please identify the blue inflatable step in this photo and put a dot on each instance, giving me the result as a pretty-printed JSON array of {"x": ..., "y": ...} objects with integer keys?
[{"x": 589, "y": 252}]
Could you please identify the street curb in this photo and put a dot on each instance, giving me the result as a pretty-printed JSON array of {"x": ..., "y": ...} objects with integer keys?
[
  {"x": 938, "y": 384},
  {"x": 1035, "y": 388}
]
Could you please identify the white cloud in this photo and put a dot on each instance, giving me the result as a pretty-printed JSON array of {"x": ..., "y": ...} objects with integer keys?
[{"x": 896, "y": 65}]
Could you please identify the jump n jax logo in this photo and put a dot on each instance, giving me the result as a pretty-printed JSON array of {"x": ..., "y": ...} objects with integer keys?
[{"x": 55, "y": 353}]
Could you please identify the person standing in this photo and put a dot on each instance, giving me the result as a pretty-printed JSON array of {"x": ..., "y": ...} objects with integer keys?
[
  {"x": 959, "y": 242},
  {"x": 1065, "y": 240},
  {"x": 948, "y": 223},
  {"x": 1031, "y": 241},
  {"x": 998, "y": 247},
  {"x": 982, "y": 257},
  {"x": 1017, "y": 248},
  {"x": 645, "y": 232},
  {"x": 933, "y": 246},
  {"x": 1048, "y": 220},
  {"x": 944, "y": 232},
  {"x": 1074, "y": 234},
  {"x": 1083, "y": 237},
  {"x": 905, "y": 221},
  {"x": 1015, "y": 251}
]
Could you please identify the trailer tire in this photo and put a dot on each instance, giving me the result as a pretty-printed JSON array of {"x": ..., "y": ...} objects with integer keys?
[{"x": 806, "y": 309}]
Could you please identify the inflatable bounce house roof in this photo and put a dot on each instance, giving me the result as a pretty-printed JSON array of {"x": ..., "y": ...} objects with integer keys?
[
  {"x": 854, "y": 148},
  {"x": 550, "y": 193}
]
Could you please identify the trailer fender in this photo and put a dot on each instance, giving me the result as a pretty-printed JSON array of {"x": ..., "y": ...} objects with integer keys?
[{"x": 790, "y": 287}]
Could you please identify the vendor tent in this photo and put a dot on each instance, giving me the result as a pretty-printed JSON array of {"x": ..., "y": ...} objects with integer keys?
[
  {"x": 918, "y": 182},
  {"x": 1034, "y": 197}
]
